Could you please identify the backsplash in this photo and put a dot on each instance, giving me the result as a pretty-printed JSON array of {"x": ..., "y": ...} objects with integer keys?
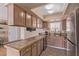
[
  {"x": 27, "y": 34},
  {"x": 18, "y": 33}
]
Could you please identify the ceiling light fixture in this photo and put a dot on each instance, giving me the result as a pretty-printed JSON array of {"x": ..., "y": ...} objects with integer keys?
[
  {"x": 49, "y": 6},
  {"x": 51, "y": 11}
]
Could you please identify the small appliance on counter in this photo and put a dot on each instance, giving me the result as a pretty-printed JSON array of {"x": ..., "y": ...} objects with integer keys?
[{"x": 30, "y": 29}]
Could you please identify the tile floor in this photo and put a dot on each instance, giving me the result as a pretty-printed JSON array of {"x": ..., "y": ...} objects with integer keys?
[
  {"x": 53, "y": 52},
  {"x": 2, "y": 51}
]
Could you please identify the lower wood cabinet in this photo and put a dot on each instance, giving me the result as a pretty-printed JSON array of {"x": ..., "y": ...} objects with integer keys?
[
  {"x": 41, "y": 43},
  {"x": 26, "y": 51},
  {"x": 34, "y": 49},
  {"x": 39, "y": 48}
]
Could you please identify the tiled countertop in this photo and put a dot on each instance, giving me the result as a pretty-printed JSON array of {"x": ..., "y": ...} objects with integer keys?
[{"x": 24, "y": 43}]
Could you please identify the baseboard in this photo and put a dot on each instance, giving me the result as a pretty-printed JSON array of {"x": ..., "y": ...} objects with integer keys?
[{"x": 58, "y": 47}]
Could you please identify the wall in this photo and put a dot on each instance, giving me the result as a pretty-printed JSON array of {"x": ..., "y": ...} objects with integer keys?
[
  {"x": 71, "y": 8},
  {"x": 13, "y": 33},
  {"x": 3, "y": 13}
]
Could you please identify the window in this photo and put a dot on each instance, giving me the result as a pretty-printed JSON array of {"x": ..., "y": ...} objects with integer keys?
[
  {"x": 68, "y": 26},
  {"x": 55, "y": 26}
]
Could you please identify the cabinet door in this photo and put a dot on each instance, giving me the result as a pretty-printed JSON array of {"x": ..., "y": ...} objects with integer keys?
[
  {"x": 16, "y": 15},
  {"x": 19, "y": 16},
  {"x": 45, "y": 25},
  {"x": 26, "y": 51},
  {"x": 28, "y": 20},
  {"x": 38, "y": 23},
  {"x": 34, "y": 20},
  {"x": 39, "y": 48},
  {"x": 34, "y": 49},
  {"x": 41, "y": 43}
]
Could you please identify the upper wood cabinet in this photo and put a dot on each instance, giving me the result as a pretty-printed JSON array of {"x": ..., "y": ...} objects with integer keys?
[
  {"x": 45, "y": 25},
  {"x": 28, "y": 20},
  {"x": 20, "y": 17},
  {"x": 16, "y": 15},
  {"x": 34, "y": 22},
  {"x": 39, "y": 23}
]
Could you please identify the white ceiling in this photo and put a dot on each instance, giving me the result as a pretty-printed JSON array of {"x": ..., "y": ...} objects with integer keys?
[
  {"x": 30, "y": 5},
  {"x": 58, "y": 10}
]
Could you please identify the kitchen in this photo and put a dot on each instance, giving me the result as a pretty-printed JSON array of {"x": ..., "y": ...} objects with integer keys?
[{"x": 39, "y": 29}]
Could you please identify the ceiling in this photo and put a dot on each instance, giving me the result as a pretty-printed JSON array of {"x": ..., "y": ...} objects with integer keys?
[
  {"x": 30, "y": 5},
  {"x": 57, "y": 9}
]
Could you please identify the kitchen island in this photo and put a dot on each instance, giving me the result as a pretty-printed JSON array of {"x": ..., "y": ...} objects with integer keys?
[{"x": 28, "y": 47}]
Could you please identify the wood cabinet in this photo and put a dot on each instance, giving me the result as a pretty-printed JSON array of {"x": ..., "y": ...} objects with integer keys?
[
  {"x": 34, "y": 22},
  {"x": 20, "y": 17},
  {"x": 28, "y": 20},
  {"x": 26, "y": 51},
  {"x": 40, "y": 47},
  {"x": 16, "y": 15},
  {"x": 34, "y": 49},
  {"x": 39, "y": 23},
  {"x": 45, "y": 25}
]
